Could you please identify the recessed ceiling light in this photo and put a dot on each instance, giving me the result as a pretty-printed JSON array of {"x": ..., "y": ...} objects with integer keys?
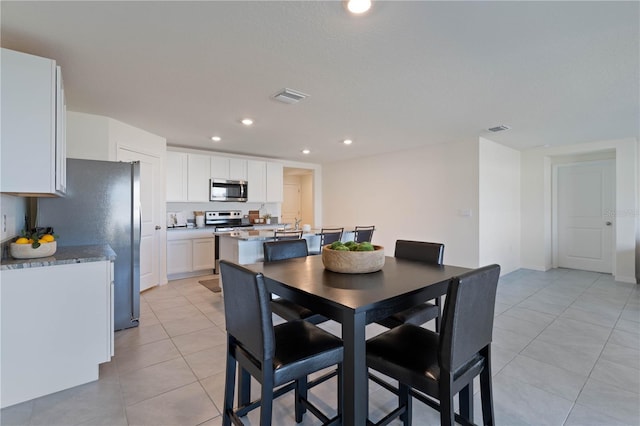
[
  {"x": 247, "y": 121},
  {"x": 347, "y": 141},
  {"x": 358, "y": 7},
  {"x": 216, "y": 138},
  {"x": 306, "y": 151}
]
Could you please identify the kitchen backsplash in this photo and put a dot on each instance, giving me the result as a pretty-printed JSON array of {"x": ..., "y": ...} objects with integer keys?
[{"x": 187, "y": 209}]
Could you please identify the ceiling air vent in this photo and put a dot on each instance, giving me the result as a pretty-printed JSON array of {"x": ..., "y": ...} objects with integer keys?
[
  {"x": 289, "y": 96},
  {"x": 498, "y": 128}
]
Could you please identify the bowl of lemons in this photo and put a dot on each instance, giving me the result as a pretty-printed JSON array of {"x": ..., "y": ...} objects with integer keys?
[
  {"x": 352, "y": 257},
  {"x": 33, "y": 246}
]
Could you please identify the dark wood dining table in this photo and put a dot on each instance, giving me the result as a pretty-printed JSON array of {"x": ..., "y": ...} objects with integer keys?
[{"x": 355, "y": 300}]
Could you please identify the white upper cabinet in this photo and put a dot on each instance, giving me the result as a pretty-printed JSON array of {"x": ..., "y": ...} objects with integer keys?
[
  {"x": 256, "y": 181},
  {"x": 219, "y": 168},
  {"x": 33, "y": 125},
  {"x": 199, "y": 173},
  {"x": 228, "y": 168},
  {"x": 274, "y": 183},
  {"x": 237, "y": 169},
  {"x": 265, "y": 181},
  {"x": 176, "y": 176}
]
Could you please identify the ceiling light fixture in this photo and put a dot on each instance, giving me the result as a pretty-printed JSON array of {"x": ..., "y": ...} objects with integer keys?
[
  {"x": 499, "y": 128},
  {"x": 247, "y": 121},
  {"x": 289, "y": 96},
  {"x": 216, "y": 138},
  {"x": 347, "y": 141},
  {"x": 306, "y": 151},
  {"x": 358, "y": 7}
]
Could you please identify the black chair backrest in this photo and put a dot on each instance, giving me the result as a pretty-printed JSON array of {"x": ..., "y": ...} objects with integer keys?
[
  {"x": 287, "y": 235},
  {"x": 467, "y": 321},
  {"x": 284, "y": 249},
  {"x": 421, "y": 251},
  {"x": 247, "y": 310},
  {"x": 364, "y": 233},
  {"x": 330, "y": 235}
]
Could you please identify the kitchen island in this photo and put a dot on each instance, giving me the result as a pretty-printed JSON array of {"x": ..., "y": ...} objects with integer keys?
[
  {"x": 57, "y": 321},
  {"x": 245, "y": 247}
]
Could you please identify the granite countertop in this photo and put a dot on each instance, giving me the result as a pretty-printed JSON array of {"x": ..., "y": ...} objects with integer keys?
[
  {"x": 63, "y": 256},
  {"x": 255, "y": 235},
  {"x": 264, "y": 235}
]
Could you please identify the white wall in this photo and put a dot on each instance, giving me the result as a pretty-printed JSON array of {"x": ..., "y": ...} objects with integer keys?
[
  {"x": 418, "y": 194},
  {"x": 87, "y": 136},
  {"x": 13, "y": 210},
  {"x": 536, "y": 243},
  {"x": 306, "y": 199},
  {"x": 94, "y": 137},
  {"x": 499, "y": 206}
]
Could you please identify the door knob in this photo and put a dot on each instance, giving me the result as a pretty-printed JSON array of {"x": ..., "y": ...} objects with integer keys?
[
  {"x": 158, "y": 227},
  {"x": 608, "y": 223}
]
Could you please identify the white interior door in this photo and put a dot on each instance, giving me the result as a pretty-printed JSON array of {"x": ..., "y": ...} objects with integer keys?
[
  {"x": 150, "y": 211},
  {"x": 585, "y": 220},
  {"x": 290, "y": 203}
]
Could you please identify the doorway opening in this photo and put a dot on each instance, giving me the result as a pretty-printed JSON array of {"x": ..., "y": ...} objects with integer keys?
[{"x": 298, "y": 200}]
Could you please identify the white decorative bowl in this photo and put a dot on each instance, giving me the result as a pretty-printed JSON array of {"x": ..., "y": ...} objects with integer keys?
[
  {"x": 353, "y": 262},
  {"x": 25, "y": 251}
]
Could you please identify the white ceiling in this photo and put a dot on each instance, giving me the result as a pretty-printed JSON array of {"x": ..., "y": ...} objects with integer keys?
[{"x": 405, "y": 75}]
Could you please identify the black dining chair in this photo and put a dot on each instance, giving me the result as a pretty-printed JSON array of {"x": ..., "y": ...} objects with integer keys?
[
  {"x": 329, "y": 236},
  {"x": 283, "y": 355},
  {"x": 432, "y": 253},
  {"x": 279, "y": 235},
  {"x": 363, "y": 233},
  {"x": 443, "y": 365},
  {"x": 286, "y": 309}
]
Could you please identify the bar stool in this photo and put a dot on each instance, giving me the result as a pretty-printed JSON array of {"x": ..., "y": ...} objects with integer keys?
[
  {"x": 363, "y": 233},
  {"x": 286, "y": 309},
  {"x": 443, "y": 365},
  {"x": 283, "y": 355},
  {"x": 432, "y": 253}
]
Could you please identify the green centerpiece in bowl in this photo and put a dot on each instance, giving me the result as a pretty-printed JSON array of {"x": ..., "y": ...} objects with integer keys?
[{"x": 352, "y": 257}]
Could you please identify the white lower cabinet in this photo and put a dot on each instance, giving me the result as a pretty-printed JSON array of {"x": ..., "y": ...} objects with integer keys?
[
  {"x": 189, "y": 256},
  {"x": 203, "y": 253},
  {"x": 57, "y": 327},
  {"x": 179, "y": 256}
]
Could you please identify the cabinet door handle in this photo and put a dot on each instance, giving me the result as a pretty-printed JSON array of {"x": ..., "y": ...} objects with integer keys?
[{"x": 158, "y": 227}]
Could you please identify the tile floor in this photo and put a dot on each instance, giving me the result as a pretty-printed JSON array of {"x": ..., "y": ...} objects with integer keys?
[{"x": 566, "y": 352}]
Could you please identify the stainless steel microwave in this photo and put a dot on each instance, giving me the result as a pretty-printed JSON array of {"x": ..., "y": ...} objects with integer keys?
[{"x": 228, "y": 190}]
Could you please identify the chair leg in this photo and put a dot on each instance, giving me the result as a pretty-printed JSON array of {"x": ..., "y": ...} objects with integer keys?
[
  {"x": 438, "y": 303},
  {"x": 404, "y": 400},
  {"x": 229, "y": 388},
  {"x": 340, "y": 379},
  {"x": 301, "y": 392},
  {"x": 465, "y": 398},
  {"x": 446, "y": 400},
  {"x": 486, "y": 391},
  {"x": 266, "y": 399},
  {"x": 244, "y": 387}
]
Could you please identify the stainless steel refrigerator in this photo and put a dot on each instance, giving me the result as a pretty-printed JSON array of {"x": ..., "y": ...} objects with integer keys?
[{"x": 102, "y": 205}]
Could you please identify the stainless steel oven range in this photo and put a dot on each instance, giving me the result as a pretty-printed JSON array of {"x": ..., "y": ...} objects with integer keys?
[{"x": 224, "y": 220}]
